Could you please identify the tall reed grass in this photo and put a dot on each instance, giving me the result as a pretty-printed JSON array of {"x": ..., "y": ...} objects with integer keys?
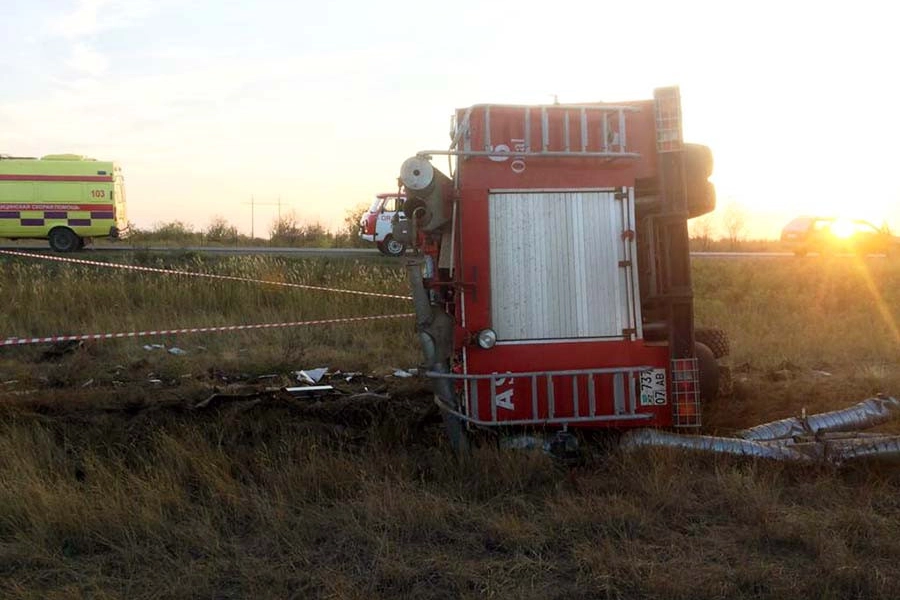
[{"x": 103, "y": 496}]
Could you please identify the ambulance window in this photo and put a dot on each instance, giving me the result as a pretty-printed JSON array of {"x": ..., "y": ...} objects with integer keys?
[{"x": 390, "y": 205}]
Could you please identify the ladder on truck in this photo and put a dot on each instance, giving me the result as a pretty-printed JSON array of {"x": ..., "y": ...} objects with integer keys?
[{"x": 587, "y": 130}]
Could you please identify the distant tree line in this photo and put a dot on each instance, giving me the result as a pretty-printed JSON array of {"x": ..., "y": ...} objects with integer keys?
[
  {"x": 731, "y": 224},
  {"x": 286, "y": 230}
]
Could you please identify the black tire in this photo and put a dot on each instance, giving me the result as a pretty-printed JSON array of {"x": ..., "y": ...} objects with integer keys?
[
  {"x": 392, "y": 247},
  {"x": 701, "y": 199},
  {"x": 63, "y": 239},
  {"x": 698, "y": 167},
  {"x": 709, "y": 372},
  {"x": 715, "y": 339}
]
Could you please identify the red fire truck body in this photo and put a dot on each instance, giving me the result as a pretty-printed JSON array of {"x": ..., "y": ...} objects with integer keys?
[{"x": 529, "y": 288}]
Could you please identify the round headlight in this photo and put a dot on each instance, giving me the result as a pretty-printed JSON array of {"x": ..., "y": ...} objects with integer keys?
[{"x": 487, "y": 338}]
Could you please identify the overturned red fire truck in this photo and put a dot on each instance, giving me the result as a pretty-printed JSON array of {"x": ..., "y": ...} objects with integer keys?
[{"x": 551, "y": 269}]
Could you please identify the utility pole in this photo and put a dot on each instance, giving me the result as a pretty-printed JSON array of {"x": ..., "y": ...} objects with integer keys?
[{"x": 253, "y": 204}]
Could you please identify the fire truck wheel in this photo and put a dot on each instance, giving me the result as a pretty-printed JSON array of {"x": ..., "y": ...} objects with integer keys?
[
  {"x": 63, "y": 239},
  {"x": 715, "y": 339},
  {"x": 709, "y": 372},
  {"x": 392, "y": 247}
]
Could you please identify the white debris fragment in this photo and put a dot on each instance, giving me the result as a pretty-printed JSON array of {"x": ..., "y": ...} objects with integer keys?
[
  {"x": 308, "y": 389},
  {"x": 149, "y": 347},
  {"x": 311, "y": 375},
  {"x": 177, "y": 351},
  {"x": 402, "y": 374}
]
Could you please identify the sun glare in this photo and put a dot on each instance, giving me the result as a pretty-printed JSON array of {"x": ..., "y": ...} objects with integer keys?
[{"x": 843, "y": 228}]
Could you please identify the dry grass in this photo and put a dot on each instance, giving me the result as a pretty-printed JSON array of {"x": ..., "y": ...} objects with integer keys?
[{"x": 118, "y": 491}]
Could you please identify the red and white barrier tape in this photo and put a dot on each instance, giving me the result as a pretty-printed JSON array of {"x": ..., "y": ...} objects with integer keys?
[
  {"x": 95, "y": 263},
  {"x": 136, "y": 334}
]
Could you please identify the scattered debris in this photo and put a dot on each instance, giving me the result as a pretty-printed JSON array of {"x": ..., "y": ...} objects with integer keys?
[
  {"x": 308, "y": 390},
  {"x": 349, "y": 376},
  {"x": 311, "y": 376},
  {"x": 87, "y": 383},
  {"x": 177, "y": 351},
  {"x": 150, "y": 347},
  {"x": 403, "y": 374}
]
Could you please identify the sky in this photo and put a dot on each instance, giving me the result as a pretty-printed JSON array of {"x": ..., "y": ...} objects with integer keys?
[{"x": 208, "y": 104}]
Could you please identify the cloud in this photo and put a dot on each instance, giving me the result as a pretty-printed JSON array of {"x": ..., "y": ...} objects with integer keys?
[
  {"x": 83, "y": 20},
  {"x": 87, "y": 60},
  {"x": 90, "y": 17}
]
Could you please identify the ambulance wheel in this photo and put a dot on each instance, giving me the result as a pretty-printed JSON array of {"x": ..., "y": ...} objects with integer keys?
[
  {"x": 392, "y": 247},
  {"x": 709, "y": 372},
  {"x": 63, "y": 239}
]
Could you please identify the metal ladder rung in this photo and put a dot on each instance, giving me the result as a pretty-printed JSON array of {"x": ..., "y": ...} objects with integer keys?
[
  {"x": 612, "y": 123},
  {"x": 493, "y": 398},
  {"x": 605, "y": 133},
  {"x": 592, "y": 396},
  {"x": 545, "y": 130},
  {"x": 584, "y": 130},
  {"x": 619, "y": 402},
  {"x": 551, "y": 398},
  {"x": 575, "y": 410}
]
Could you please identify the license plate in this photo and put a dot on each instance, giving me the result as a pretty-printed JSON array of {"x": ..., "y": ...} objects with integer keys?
[{"x": 653, "y": 387}]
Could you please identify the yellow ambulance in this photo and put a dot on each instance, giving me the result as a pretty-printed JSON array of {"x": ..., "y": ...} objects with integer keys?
[{"x": 64, "y": 198}]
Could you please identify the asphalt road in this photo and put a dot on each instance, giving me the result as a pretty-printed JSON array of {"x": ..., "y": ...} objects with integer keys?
[
  {"x": 223, "y": 250},
  {"x": 314, "y": 252}
]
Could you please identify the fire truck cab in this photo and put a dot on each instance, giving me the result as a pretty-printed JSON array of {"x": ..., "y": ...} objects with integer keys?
[{"x": 551, "y": 274}]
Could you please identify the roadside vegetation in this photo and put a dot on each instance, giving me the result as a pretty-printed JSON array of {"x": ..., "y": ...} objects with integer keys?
[
  {"x": 287, "y": 230},
  {"x": 114, "y": 484}
]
